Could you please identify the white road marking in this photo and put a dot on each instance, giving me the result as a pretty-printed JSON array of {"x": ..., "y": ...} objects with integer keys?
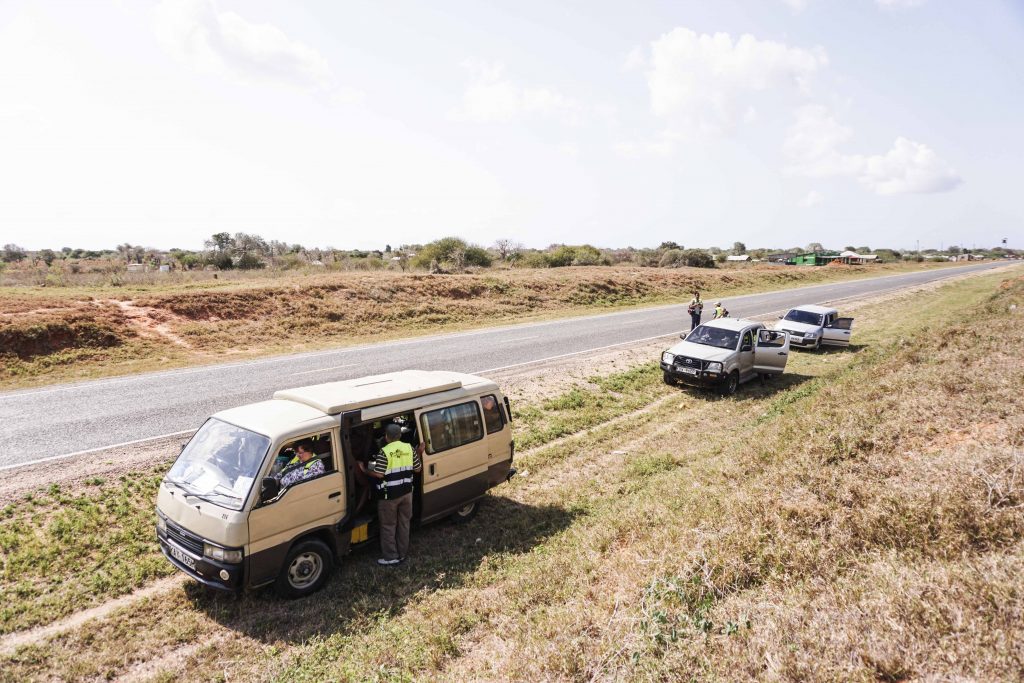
[
  {"x": 518, "y": 339},
  {"x": 95, "y": 450},
  {"x": 310, "y": 372}
]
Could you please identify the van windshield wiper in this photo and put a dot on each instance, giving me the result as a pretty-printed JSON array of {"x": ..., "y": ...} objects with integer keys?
[
  {"x": 230, "y": 492},
  {"x": 180, "y": 484}
]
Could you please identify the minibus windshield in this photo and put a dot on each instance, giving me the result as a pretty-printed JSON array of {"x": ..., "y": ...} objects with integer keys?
[{"x": 220, "y": 463}]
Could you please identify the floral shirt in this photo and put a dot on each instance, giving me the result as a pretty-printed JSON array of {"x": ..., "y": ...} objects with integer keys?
[{"x": 313, "y": 468}]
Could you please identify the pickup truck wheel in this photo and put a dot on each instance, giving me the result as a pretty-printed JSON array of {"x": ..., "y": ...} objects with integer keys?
[
  {"x": 669, "y": 379},
  {"x": 466, "y": 512},
  {"x": 817, "y": 344},
  {"x": 305, "y": 570},
  {"x": 729, "y": 388}
]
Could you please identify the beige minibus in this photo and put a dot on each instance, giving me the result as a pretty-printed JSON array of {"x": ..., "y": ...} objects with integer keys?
[{"x": 229, "y": 516}]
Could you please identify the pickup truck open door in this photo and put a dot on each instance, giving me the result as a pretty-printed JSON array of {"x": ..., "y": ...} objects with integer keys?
[{"x": 771, "y": 352}]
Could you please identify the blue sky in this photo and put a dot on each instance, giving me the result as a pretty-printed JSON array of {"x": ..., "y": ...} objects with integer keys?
[{"x": 356, "y": 124}]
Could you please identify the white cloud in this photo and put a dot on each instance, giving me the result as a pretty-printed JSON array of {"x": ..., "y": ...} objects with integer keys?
[
  {"x": 813, "y": 143},
  {"x": 707, "y": 82},
  {"x": 198, "y": 33},
  {"x": 811, "y": 199},
  {"x": 492, "y": 97},
  {"x": 908, "y": 167}
]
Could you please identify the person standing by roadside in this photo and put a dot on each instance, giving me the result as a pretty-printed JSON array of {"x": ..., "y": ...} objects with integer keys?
[
  {"x": 720, "y": 311},
  {"x": 393, "y": 469},
  {"x": 695, "y": 308}
]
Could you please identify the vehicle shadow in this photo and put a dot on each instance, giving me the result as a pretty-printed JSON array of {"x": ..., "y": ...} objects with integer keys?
[
  {"x": 830, "y": 350},
  {"x": 441, "y": 555},
  {"x": 754, "y": 388}
]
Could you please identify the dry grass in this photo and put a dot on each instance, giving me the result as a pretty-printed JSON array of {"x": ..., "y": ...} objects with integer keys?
[
  {"x": 859, "y": 520},
  {"x": 49, "y": 335}
]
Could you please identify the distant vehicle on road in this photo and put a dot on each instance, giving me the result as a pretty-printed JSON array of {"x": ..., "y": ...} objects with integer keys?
[
  {"x": 722, "y": 354},
  {"x": 229, "y": 516},
  {"x": 811, "y": 326}
]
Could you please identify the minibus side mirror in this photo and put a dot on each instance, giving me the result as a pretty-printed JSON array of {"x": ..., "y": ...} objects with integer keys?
[{"x": 269, "y": 489}]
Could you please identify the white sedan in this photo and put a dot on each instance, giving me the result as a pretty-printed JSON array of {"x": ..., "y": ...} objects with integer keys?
[{"x": 811, "y": 326}]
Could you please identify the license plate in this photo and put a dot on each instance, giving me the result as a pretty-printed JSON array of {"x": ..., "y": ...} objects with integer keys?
[
  {"x": 688, "y": 371},
  {"x": 182, "y": 557}
]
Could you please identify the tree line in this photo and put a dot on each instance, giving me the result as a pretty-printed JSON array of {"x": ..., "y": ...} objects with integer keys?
[{"x": 245, "y": 251}]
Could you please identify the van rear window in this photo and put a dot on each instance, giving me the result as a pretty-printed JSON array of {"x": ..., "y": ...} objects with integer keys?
[
  {"x": 492, "y": 413},
  {"x": 453, "y": 426}
]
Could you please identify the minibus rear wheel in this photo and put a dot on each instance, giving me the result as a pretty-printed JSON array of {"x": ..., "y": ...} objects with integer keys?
[
  {"x": 305, "y": 570},
  {"x": 466, "y": 512}
]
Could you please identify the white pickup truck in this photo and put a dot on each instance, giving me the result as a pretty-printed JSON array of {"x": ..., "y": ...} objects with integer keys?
[
  {"x": 722, "y": 353},
  {"x": 811, "y": 326}
]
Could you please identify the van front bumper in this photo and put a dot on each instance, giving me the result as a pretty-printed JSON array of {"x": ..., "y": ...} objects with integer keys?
[
  {"x": 203, "y": 569},
  {"x": 711, "y": 380}
]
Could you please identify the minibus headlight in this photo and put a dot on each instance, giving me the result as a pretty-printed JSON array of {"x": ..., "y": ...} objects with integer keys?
[
  {"x": 667, "y": 358},
  {"x": 714, "y": 367},
  {"x": 222, "y": 554}
]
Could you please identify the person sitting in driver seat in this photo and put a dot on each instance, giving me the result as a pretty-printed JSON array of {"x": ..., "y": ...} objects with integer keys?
[{"x": 302, "y": 466}]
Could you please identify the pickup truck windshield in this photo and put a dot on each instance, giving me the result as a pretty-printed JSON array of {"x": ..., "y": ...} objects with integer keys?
[
  {"x": 713, "y": 336},
  {"x": 220, "y": 463},
  {"x": 806, "y": 317}
]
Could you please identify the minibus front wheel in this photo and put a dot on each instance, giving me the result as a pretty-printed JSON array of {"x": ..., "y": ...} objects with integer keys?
[{"x": 305, "y": 570}]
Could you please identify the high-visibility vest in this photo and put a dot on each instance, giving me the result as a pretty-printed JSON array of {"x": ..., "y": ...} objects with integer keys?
[
  {"x": 397, "y": 465},
  {"x": 719, "y": 311},
  {"x": 296, "y": 461}
]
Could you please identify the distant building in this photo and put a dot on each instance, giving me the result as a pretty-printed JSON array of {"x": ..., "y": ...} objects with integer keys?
[
  {"x": 739, "y": 259},
  {"x": 820, "y": 258},
  {"x": 853, "y": 258}
]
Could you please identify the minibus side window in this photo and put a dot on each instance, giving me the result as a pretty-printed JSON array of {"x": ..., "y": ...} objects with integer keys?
[
  {"x": 291, "y": 471},
  {"x": 492, "y": 413},
  {"x": 453, "y": 426}
]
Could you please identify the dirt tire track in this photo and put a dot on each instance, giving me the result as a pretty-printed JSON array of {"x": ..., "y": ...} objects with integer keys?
[{"x": 12, "y": 641}]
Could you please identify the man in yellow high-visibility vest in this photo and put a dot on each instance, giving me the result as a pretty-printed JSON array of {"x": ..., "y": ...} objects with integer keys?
[{"x": 394, "y": 469}]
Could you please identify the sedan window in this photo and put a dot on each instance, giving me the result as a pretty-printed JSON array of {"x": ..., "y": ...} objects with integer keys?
[{"x": 805, "y": 317}]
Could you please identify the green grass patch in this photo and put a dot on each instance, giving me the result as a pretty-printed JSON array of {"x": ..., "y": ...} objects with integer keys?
[
  {"x": 60, "y": 552},
  {"x": 583, "y": 407}
]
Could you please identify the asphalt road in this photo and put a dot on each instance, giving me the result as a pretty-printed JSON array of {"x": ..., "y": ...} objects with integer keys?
[{"x": 79, "y": 419}]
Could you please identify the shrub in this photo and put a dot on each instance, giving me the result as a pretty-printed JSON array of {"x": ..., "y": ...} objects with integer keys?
[
  {"x": 534, "y": 259},
  {"x": 698, "y": 258},
  {"x": 249, "y": 261},
  {"x": 587, "y": 255},
  {"x": 671, "y": 258},
  {"x": 452, "y": 253}
]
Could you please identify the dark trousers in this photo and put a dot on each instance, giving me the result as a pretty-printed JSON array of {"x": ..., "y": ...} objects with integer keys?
[
  {"x": 394, "y": 516},
  {"x": 694, "y": 320}
]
